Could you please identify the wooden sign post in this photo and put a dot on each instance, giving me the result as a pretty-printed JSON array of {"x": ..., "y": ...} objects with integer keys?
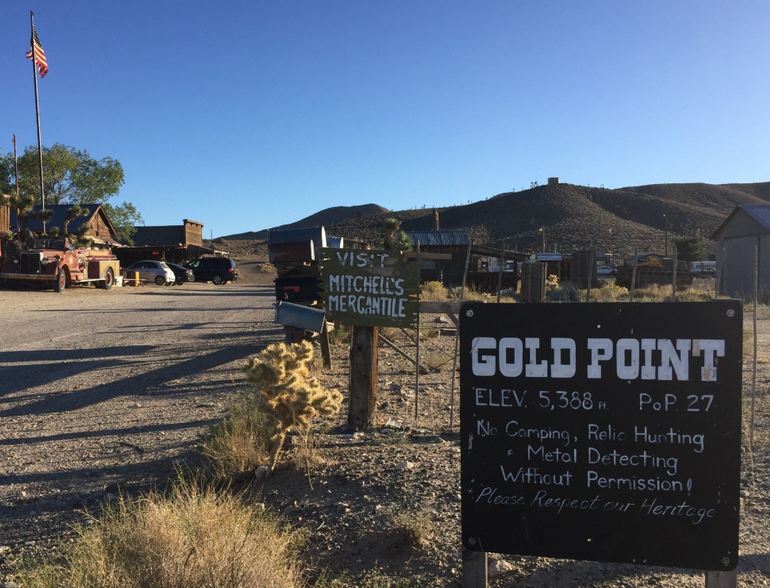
[
  {"x": 609, "y": 434},
  {"x": 368, "y": 289}
]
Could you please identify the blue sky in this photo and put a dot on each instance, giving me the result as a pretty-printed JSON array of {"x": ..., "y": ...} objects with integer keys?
[{"x": 245, "y": 115}]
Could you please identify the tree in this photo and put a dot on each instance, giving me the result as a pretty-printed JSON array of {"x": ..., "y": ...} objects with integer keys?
[
  {"x": 72, "y": 176},
  {"x": 124, "y": 218},
  {"x": 690, "y": 249}
]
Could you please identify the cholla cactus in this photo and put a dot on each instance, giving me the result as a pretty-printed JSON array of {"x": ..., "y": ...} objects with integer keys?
[
  {"x": 291, "y": 395},
  {"x": 551, "y": 282}
]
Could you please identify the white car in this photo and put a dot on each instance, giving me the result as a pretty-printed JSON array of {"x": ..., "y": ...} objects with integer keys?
[
  {"x": 605, "y": 270},
  {"x": 150, "y": 271}
]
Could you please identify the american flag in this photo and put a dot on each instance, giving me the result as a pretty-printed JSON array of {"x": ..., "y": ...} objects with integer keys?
[{"x": 37, "y": 49}]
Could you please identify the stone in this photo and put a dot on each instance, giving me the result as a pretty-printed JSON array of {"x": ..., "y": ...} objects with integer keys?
[{"x": 498, "y": 567}]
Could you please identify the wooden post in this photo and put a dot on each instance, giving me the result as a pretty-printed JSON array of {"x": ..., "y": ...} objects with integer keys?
[
  {"x": 633, "y": 274},
  {"x": 591, "y": 263},
  {"x": 457, "y": 342},
  {"x": 500, "y": 271},
  {"x": 754, "y": 355},
  {"x": 363, "y": 377},
  {"x": 417, "y": 371},
  {"x": 673, "y": 279},
  {"x": 722, "y": 579},
  {"x": 326, "y": 352},
  {"x": 474, "y": 569}
]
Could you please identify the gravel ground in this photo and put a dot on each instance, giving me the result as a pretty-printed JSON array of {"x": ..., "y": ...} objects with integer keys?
[
  {"x": 100, "y": 390},
  {"x": 109, "y": 394}
]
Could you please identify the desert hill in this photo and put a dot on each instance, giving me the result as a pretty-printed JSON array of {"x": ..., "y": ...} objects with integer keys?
[
  {"x": 574, "y": 217},
  {"x": 325, "y": 217}
]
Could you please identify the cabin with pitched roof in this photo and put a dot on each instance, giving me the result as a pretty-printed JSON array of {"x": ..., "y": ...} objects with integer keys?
[
  {"x": 743, "y": 244},
  {"x": 100, "y": 229}
]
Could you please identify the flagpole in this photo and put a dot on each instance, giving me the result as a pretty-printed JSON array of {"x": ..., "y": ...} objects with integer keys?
[
  {"x": 15, "y": 167},
  {"x": 37, "y": 108}
]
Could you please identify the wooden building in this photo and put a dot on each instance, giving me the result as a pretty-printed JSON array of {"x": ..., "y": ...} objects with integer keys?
[
  {"x": 456, "y": 243},
  {"x": 5, "y": 217},
  {"x": 175, "y": 243},
  {"x": 743, "y": 244},
  {"x": 100, "y": 229}
]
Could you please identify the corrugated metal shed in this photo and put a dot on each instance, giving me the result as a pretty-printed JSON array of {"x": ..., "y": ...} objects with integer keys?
[
  {"x": 759, "y": 213},
  {"x": 743, "y": 248},
  {"x": 439, "y": 238}
]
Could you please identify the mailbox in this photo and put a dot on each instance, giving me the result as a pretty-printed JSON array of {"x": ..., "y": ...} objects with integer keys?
[
  {"x": 298, "y": 289},
  {"x": 302, "y": 317}
]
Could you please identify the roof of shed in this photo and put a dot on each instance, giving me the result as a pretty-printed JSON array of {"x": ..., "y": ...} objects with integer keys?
[
  {"x": 759, "y": 213},
  {"x": 171, "y": 235},
  {"x": 58, "y": 216},
  {"x": 439, "y": 238}
]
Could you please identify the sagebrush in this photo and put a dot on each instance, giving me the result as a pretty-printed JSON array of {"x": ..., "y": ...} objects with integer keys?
[{"x": 193, "y": 537}]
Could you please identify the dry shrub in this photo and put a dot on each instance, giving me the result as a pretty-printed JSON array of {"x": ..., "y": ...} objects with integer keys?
[
  {"x": 433, "y": 291},
  {"x": 652, "y": 293},
  {"x": 238, "y": 444},
  {"x": 470, "y": 295},
  {"x": 434, "y": 361},
  {"x": 341, "y": 335},
  {"x": 608, "y": 292},
  {"x": 412, "y": 529},
  {"x": 192, "y": 538},
  {"x": 265, "y": 268},
  {"x": 390, "y": 333},
  {"x": 551, "y": 282},
  {"x": 290, "y": 395},
  {"x": 696, "y": 293}
]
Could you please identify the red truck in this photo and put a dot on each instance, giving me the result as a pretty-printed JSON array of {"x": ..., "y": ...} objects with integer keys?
[{"x": 54, "y": 260}]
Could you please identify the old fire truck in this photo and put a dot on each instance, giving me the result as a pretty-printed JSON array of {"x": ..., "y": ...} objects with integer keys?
[{"x": 56, "y": 262}]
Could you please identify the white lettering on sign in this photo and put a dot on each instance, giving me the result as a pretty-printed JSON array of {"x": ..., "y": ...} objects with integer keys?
[{"x": 646, "y": 359}]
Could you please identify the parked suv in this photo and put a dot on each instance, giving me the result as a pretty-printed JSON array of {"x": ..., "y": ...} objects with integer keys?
[{"x": 218, "y": 270}]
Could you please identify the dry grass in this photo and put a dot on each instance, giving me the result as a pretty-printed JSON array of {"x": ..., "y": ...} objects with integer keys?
[
  {"x": 341, "y": 335},
  {"x": 238, "y": 444},
  {"x": 433, "y": 291},
  {"x": 412, "y": 529},
  {"x": 192, "y": 538},
  {"x": 265, "y": 268},
  {"x": 434, "y": 361},
  {"x": 607, "y": 292}
]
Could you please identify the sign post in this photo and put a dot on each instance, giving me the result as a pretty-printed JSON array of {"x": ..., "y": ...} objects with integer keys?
[
  {"x": 609, "y": 434},
  {"x": 368, "y": 289}
]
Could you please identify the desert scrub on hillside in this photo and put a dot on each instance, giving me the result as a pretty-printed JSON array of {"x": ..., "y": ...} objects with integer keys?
[
  {"x": 240, "y": 443},
  {"x": 290, "y": 395},
  {"x": 193, "y": 537}
]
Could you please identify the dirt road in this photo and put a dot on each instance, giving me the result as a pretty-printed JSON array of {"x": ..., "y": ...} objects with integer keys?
[{"x": 99, "y": 389}]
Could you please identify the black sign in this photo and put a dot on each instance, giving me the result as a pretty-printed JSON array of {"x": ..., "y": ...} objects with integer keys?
[{"x": 605, "y": 432}]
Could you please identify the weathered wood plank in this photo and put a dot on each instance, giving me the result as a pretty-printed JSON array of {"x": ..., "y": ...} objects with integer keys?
[
  {"x": 363, "y": 377},
  {"x": 474, "y": 569},
  {"x": 439, "y": 307}
]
